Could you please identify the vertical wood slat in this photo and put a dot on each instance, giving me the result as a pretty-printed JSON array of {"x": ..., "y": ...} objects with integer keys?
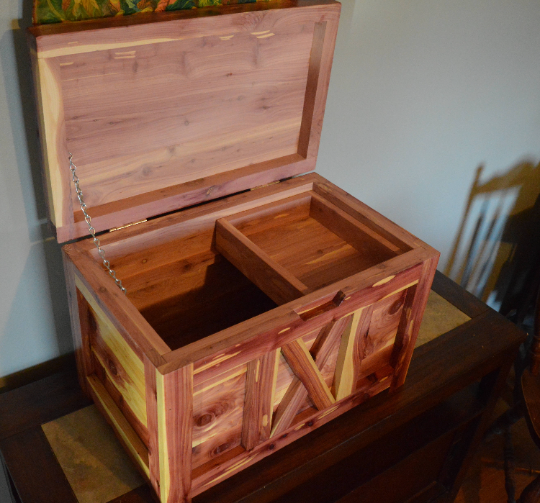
[
  {"x": 297, "y": 393},
  {"x": 302, "y": 364},
  {"x": 47, "y": 79},
  {"x": 413, "y": 311},
  {"x": 259, "y": 399},
  {"x": 175, "y": 424},
  {"x": 123, "y": 430},
  {"x": 293, "y": 399},
  {"x": 152, "y": 421},
  {"x": 320, "y": 65},
  {"x": 350, "y": 353},
  {"x": 79, "y": 317}
]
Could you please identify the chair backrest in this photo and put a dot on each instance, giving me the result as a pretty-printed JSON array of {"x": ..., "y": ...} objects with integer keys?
[
  {"x": 477, "y": 248},
  {"x": 499, "y": 231}
]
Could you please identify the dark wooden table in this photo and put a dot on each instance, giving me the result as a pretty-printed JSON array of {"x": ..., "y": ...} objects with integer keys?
[{"x": 412, "y": 446}]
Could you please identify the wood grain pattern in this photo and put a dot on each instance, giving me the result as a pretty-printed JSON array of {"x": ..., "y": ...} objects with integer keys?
[
  {"x": 351, "y": 352},
  {"x": 137, "y": 261},
  {"x": 199, "y": 298},
  {"x": 175, "y": 423},
  {"x": 259, "y": 399},
  {"x": 103, "y": 296},
  {"x": 306, "y": 370},
  {"x": 248, "y": 340},
  {"x": 361, "y": 236},
  {"x": 262, "y": 217},
  {"x": 197, "y": 134},
  {"x": 320, "y": 246},
  {"x": 291, "y": 402},
  {"x": 79, "y": 317},
  {"x": 320, "y": 65},
  {"x": 150, "y": 380},
  {"x": 317, "y": 255},
  {"x": 193, "y": 221},
  {"x": 170, "y": 280},
  {"x": 215, "y": 472},
  {"x": 218, "y": 409},
  {"x": 278, "y": 283},
  {"x": 413, "y": 311},
  {"x": 217, "y": 133},
  {"x": 285, "y": 377},
  {"x": 307, "y": 466},
  {"x": 115, "y": 394},
  {"x": 125, "y": 433},
  {"x": 50, "y": 104},
  {"x": 380, "y": 338},
  {"x": 387, "y": 313},
  {"x": 136, "y": 208},
  {"x": 122, "y": 366},
  {"x": 297, "y": 393},
  {"x": 401, "y": 238}
]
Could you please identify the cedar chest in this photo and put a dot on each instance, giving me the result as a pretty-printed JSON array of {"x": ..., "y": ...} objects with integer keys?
[{"x": 272, "y": 302}]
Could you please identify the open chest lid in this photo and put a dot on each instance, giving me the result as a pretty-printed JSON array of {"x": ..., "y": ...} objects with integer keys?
[{"x": 163, "y": 111}]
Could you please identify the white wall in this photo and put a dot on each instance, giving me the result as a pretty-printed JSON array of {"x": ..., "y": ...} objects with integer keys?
[
  {"x": 34, "y": 324},
  {"x": 422, "y": 92}
]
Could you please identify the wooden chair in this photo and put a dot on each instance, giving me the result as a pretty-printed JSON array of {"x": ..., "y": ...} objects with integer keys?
[{"x": 499, "y": 216}]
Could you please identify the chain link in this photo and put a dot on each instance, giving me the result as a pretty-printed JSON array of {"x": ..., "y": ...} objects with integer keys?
[{"x": 91, "y": 229}]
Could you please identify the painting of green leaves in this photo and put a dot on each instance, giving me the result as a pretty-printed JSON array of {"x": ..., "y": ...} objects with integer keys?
[{"x": 58, "y": 11}]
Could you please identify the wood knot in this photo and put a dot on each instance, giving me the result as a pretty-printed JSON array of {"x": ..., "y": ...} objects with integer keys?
[
  {"x": 102, "y": 289},
  {"x": 112, "y": 368},
  {"x": 396, "y": 306},
  {"x": 372, "y": 378},
  {"x": 204, "y": 419},
  {"x": 221, "y": 448}
]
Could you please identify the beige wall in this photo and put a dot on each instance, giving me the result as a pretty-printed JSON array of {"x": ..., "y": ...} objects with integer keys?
[{"x": 422, "y": 92}]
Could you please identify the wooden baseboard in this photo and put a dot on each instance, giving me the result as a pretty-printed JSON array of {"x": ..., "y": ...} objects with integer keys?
[{"x": 36, "y": 372}]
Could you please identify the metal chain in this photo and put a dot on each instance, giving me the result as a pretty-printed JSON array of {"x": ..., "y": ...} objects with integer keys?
[{"x": 88, "y": 221}]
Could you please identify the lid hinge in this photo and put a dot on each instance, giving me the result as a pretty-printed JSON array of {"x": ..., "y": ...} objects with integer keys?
[{"x": 127, "y": 225}]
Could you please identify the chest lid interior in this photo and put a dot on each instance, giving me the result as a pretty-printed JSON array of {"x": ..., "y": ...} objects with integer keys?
[{"x": 166, "y": 111}]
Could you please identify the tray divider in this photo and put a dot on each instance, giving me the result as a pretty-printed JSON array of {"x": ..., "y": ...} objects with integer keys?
[{"x": 270, "y": 277}]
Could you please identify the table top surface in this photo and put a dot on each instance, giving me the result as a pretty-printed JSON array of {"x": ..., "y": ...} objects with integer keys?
[{"x": 51, "y": 423}]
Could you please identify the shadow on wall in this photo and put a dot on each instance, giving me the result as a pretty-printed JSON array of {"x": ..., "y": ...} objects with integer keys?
[
  {"x": 496, "y": 252},
  {"x": 22, "y": 88}
]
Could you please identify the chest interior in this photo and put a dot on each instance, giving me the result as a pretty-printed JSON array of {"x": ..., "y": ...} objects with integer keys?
[{"x": 246, "y": 264}]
